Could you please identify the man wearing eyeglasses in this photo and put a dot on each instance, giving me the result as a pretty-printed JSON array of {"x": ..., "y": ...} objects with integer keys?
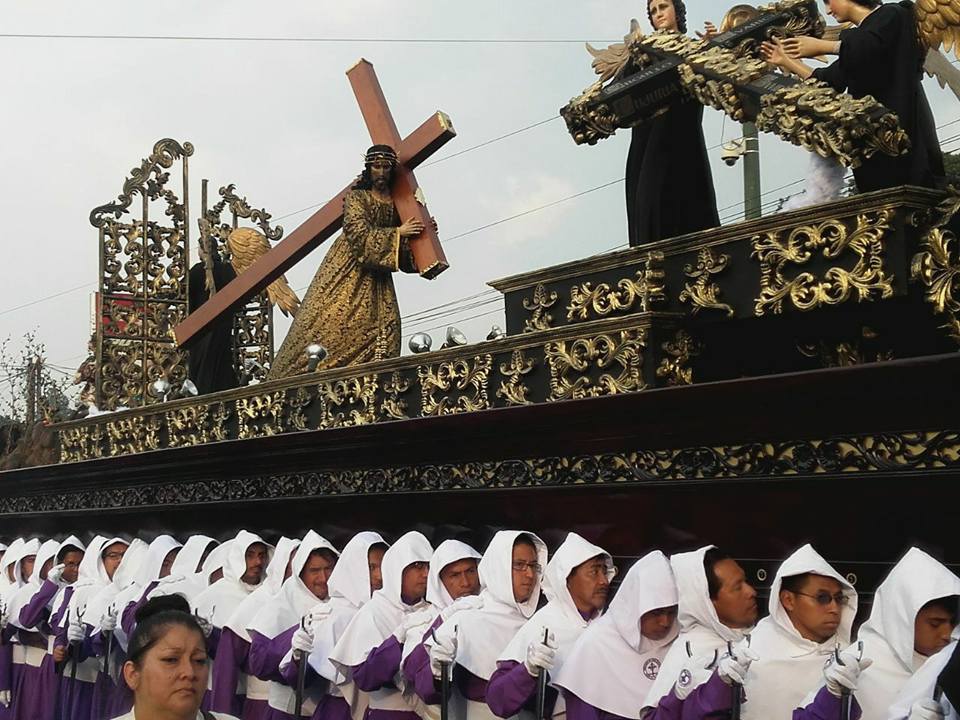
[
  {"x": 471, "y": 641},
  {"x": 578, "y": 581},
  {"x": 812, "y": 609}
]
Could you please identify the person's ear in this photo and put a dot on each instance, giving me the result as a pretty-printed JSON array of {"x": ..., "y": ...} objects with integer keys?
[
  {"x": 788, "y": 600},
  {"x": 131, "y": 675}
]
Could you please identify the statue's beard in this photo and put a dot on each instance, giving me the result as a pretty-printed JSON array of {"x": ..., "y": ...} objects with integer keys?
[{"x": 381, "y": 184}]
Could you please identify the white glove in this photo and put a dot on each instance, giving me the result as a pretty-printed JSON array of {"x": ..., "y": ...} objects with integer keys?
[
  {"x": 926, "y": 710},
  {"x": 108, "y": 623},
  {"x": 302, "y": 640},
  {"x": 205, "y": 625},
  {"x": 442, "y": 650},
  {"x": 4, "y": 615},
  {"x": 56, "y": 575},
  {"x": 840, "y": 677},
  {"x": 320, "y": 612},
  {"x": 76, "y": 633},
  {"x": 734, "y": 668},
  {"x": 467, "y": 602},
  {"x": 541, "y": 656},
  {"x": 694, "y": 673},
  {"x": 5, "y": 698},
  {"x": 413, "y": 620}
]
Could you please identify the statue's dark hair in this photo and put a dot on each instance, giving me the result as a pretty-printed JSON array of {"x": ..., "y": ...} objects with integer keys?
[
  {"x": 365, "y": 182},
  {"x": 681, "y": 12},
  {"x": 154, "y": 619}
]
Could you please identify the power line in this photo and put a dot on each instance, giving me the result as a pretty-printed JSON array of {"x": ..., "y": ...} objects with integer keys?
[
  {"x": 491, "y": 142},
  {"x": 48, "y": 297},
  {"x": 302, "y": 39}
]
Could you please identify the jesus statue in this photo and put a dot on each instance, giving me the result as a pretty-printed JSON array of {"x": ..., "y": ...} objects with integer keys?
[{"x": 351, "y": 306}]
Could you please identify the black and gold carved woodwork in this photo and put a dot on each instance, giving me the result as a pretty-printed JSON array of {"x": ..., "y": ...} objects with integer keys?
[
  {"x": 780, "y": 251},
  {"x": 630, "y": 294},
  {"x": 599, "y": 365},
  {"x": 454, "y": 387},
  {"x": 394, "y": 407},
  {"x": 513, "y": 389},
  {"x": 538, "y": 305},
  {"x": 675, "y": 367},
  {"x": 349, "y": 402},
  {"x": 894, "y": 452},
  {"x": 704, "y": 293},
  {"x": 937, "y": 266}
]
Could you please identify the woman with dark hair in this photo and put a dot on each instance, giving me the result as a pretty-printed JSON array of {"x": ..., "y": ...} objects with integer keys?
[
  {"x": 167, "y": 665},
  {"x": 881, "y": 56},
  {"x": 669, "y": 183}
]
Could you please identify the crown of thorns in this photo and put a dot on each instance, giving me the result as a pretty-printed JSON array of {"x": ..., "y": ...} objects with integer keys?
[{"x": 374, "y": 154}]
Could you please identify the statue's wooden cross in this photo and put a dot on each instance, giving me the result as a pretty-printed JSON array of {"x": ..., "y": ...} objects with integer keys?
[{"x": 411, "y": 151}]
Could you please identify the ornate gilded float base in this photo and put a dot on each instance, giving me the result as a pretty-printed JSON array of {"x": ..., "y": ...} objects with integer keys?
[{"x": 888, "y": 453}]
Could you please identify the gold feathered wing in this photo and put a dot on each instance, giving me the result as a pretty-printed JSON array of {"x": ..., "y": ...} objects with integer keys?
[
  {"x": 246, "y": 247},
  {"x": 611, "y": 61},
  {"x": 938, "y": 65},
  {"x": 938, "y": 23}
]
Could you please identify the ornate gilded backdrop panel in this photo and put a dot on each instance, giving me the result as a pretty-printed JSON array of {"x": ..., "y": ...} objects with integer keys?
[
  {"x": 144, "y": 256},
  {"x": 253, "y": 323}
]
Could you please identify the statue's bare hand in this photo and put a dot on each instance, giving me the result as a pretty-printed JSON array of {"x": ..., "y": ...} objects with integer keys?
[
  {"x": 709, "y": 31},
  {"x": 806, "y": 47},
  {"x": 411, "y": 228}
]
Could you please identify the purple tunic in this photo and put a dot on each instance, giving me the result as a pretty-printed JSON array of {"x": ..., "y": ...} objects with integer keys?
[
  {"x": 714, "y": 698},
  {"x": 670, "y": 707},
  {"x": 228, "y": 665},
  {"x": 419, "y": 675},
  {"x": 511, "y": 688},
  {"x": 36, "y": 689},
  {"x": 826, "y": 706},
  {"x": 128, "y": 618},
  {"x": 76, "y": 695},
  {"x": 6, "y": 668},
  {"x": 578, "y": 709},
  {"x": 378, "y": 672}
]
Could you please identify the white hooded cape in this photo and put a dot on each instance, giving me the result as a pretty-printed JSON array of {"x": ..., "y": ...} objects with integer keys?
[
  {"x": 790, "y": 666},
  {"x": 148, "y": 570},
  {"x": 380, "y": 616},
  {"x": 23, "y": 596},
  {"x": 612, "y": 666},
  {"x": 285, "y": 610},
  {"x": 102, "y": 600},
  {"x": 923, "y": 683},
  {"x": 560, "y": 615},
  {"x": 186, "y": 576},
  {"x": 447, "y": 552},
  {"x": 483, "y": 634},
  {"x": 221, "y": 599},
  {"x": 18, "y": 549},
  {"x": 349, "y": 591},
  {"x": 251, "y": 606},
  {"x": 699, "y": 624},
  {"x": 888, "y": 635},
  {"x": 10, "y": 556}
]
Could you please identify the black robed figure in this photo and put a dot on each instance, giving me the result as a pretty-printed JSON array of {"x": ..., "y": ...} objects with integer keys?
[
  {"x": 211, "y": 364},
  {"x": 881, "y": 56},
  {"x": 669, "y": 184}
]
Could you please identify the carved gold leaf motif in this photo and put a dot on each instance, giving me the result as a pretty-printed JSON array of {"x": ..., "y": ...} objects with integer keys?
[
  {"x": 468, "y": 378},
  {"x": 867, "y": 280},
  {"x": 513, "y": 389},
  {"x": 704, "y": 294},
  {"x": 602, "y": 300},
  {"x": 571, "y": 363},
  {"x": 538, "y": 306}
]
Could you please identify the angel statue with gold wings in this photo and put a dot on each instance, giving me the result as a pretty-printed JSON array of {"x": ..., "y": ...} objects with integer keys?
[{"x": 883, "y": 54}]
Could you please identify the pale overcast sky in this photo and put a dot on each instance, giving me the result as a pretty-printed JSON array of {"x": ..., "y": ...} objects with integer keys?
[{"x": 280, "y": 121}]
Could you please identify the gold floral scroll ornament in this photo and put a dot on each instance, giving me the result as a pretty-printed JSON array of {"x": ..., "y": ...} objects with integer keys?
[
  {"x": 460, "y": 384},
  {"x": 937, "y": 267},
  {"x": 675, "y": 367},
  {"x": 867, "y": 279},
  {"x": 571, "y": 363},
  {"x": 538, "y": 305},
  {"x": 602, "y": 300},
  {"x": 513, "y": 389},
  {"x": 704, "y": 294}
]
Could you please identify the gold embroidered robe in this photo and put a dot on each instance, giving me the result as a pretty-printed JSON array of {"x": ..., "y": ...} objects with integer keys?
[{"x": 351, "y": 306}]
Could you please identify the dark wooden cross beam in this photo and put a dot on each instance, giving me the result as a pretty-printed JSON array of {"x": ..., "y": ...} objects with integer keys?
[{"x": 412, "y": 151}]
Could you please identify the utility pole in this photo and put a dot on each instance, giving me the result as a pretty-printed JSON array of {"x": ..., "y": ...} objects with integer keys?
[{"x": 751, "y": 172}]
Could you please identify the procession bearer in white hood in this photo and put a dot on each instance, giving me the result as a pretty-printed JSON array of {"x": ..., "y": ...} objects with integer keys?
[
  {"x": 611, "y": 667},
  {"x": 510, "y": 571},
  {"x": 812, "y": 608},
  {"x": 913, "y": 616},
  {"x": 453, "y": 585},
  {"x": 718, "y": 608},
  {"x": 368, "y": 654},
  {"x": 577, "y": 584}
]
